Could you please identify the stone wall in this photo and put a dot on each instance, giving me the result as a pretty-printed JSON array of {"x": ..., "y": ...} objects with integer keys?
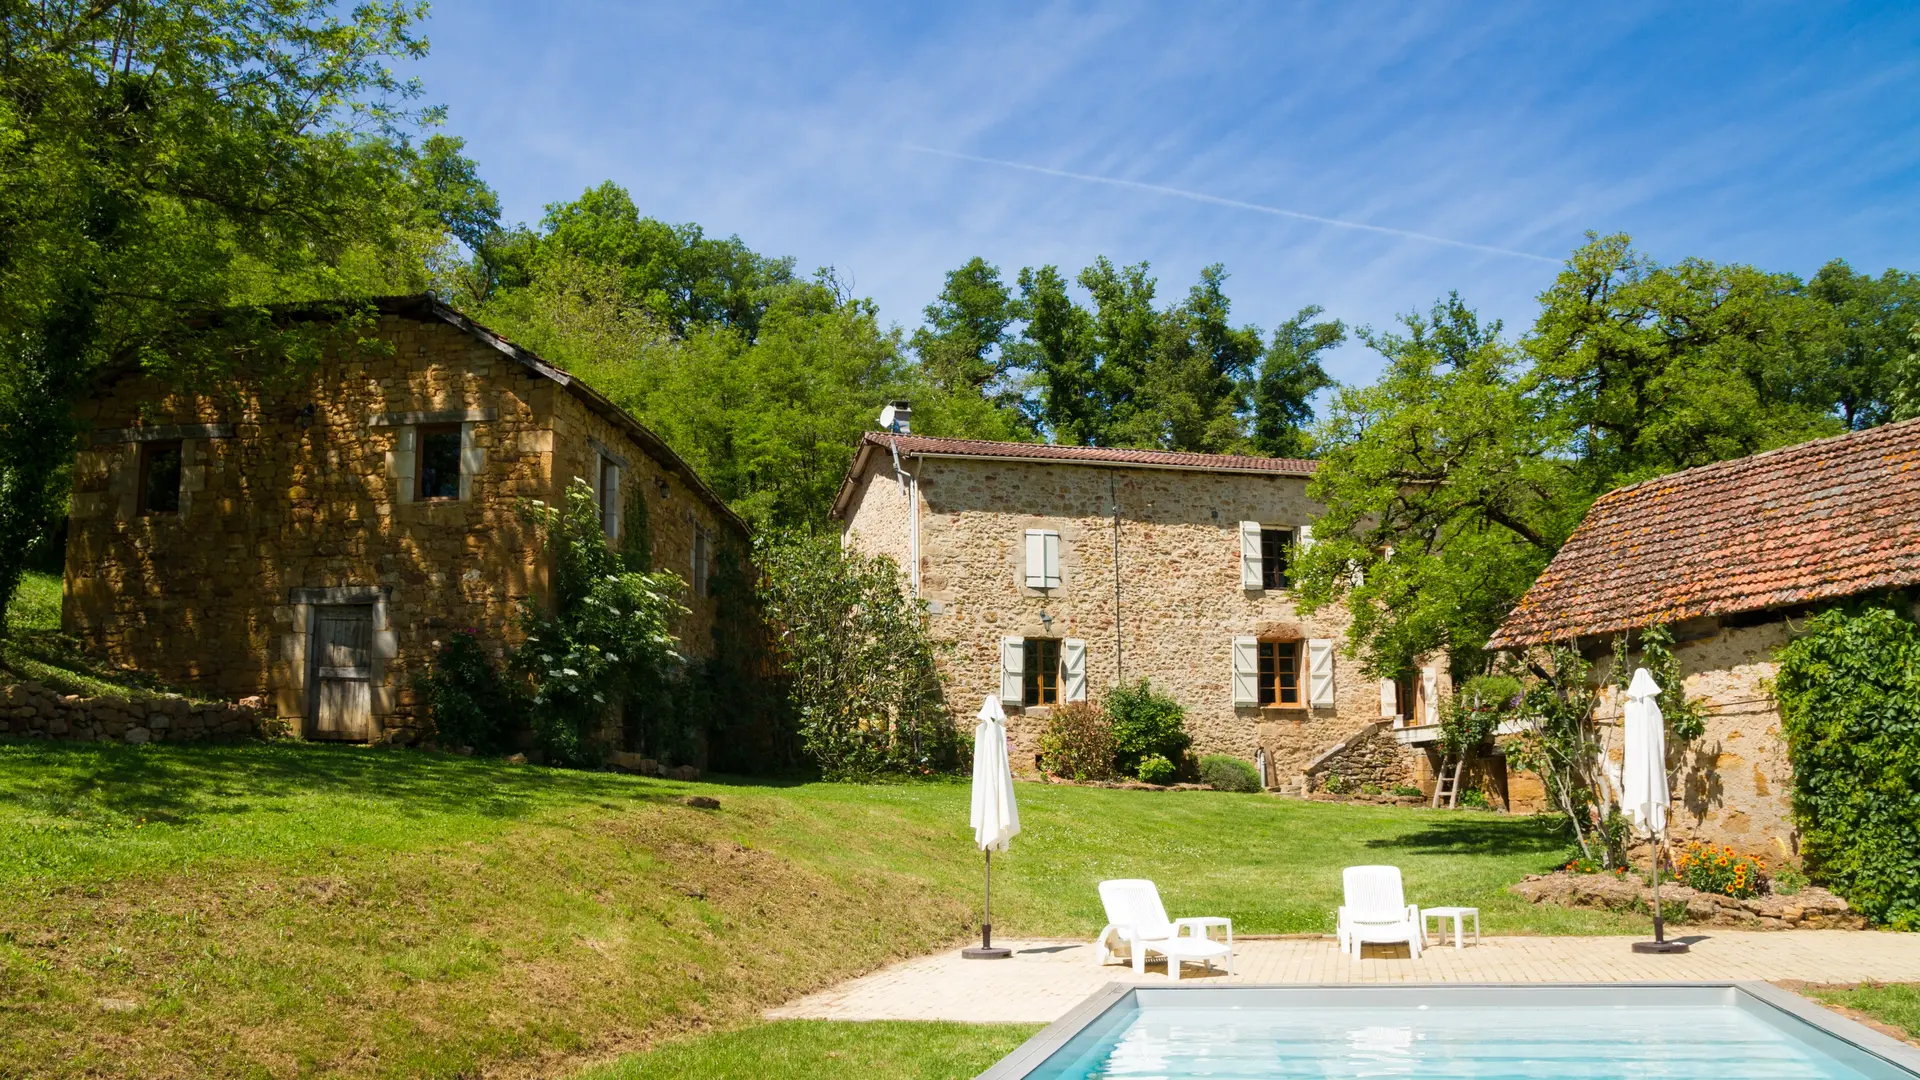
[
  {"x": 31, "y": 711},
  {"x": 298, "y": 492},
  {"x": 1370, "y": 756},
  {"x": 1154, "y": 591}
]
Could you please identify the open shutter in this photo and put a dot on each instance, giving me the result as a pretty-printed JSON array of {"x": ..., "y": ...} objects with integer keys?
[
  {"x": 1250, "y": 555},
  {"x": 1051, "y": 540},
  {"x": 1430, "y": 695},
  {"x": 1043, "y": 559},
  {"x": 1320, "y": 672},
  {"x": 1304, "y": 537},
  {"x": 1389, "y": 699},
  {"x": 1246, "y": 671},
  {"x": 1073, "y": 670},
  {"x": 1013, "y": 655}
]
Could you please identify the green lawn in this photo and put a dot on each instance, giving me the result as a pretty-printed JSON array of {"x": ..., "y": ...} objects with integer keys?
[
  {"x": 34, "y": 648},
  {"x": 286, "y": 909},
  {"x": 824, "y": 1050},
  {"x": 1894, "y": 1004}
]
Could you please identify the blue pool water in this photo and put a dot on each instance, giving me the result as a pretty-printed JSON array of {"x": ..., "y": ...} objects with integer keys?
[{"x": 1507, "y": 1040}]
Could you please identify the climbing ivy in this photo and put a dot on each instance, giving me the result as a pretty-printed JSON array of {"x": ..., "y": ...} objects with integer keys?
[{"x": 1849, "y": 693}]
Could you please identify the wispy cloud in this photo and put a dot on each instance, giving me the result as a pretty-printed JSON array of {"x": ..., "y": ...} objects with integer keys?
[{"x": 1236, "y": 204}]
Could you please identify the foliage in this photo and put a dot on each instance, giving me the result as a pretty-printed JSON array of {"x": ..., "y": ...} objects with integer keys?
[
  {"x": 1224, "y": 772},
  {"x": 1334, "y": 784},
  {"x": 1557, "y": 743},
  {"x": 1474, "y": 798},
  {"x": 1078, "y": 743},
  {"x": 606, "y": 644},
  {"x": 1723, "y": 871},
  {"x": 1849, "y": 693},
  {"x": 866, "y": 693},
  {"x": 1369, "y": 789},
  {"x": 1685, "y": 720},
  {"x": 1788, "y": 879},
  {"x": 1876, "y": 318},
  {"x": 1145, "y": 723},
  {"x": 1289, "y": 378},
  {"x": 1407, "y": 791},
  {"x": 826, "y": 1050},
  {"x": 170, "y": 170},
  {"x": 468, "y": 700},
  {"x": 1154, "y": 769},
  {"x": 1475, "y": 710}
]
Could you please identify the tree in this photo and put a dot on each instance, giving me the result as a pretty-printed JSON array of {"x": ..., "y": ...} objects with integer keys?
[
  {"x": 1876, "y": 318},
  {"x": 1195, "y": 387},
  {"x": 964, "y": 385},
  {"x": 166, "y": 171},
  {"x": 1058, "y": 348},
  {"x": 1290, "y": 375}
]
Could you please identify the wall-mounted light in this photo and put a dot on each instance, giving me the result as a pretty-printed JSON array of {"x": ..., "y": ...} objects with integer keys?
[{"x": 661, "y": 483}]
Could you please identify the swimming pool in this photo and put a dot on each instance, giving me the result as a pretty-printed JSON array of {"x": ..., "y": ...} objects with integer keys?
[{"x": 1742, "y": 1031}]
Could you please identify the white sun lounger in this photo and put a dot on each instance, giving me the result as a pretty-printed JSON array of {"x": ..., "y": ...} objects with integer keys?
[
  {"x": 1136, "y": 918},
  {"x": 1377, "y": 910}
]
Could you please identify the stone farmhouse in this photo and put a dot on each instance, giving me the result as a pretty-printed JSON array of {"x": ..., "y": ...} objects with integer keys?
[
  {"x": 311, "y": 541},
  {"x": 1057, "y": 572},
  {"x": 1731, "y": 556}
]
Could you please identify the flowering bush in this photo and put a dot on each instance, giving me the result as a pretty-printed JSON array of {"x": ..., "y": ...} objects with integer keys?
[
  {"x": 1079, "y": 743},
  {"x": 1720, "y": 870},
  {"x": 1586, "y": 864}
]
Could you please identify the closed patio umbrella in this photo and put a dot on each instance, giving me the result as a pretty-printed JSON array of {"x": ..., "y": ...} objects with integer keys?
[
  {"x": 996, "y": 818},
  {"x": 1643, "y": 787}
]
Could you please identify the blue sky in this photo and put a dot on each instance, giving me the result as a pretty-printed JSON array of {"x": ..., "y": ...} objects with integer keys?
[{"x": 1365, "y": 157}]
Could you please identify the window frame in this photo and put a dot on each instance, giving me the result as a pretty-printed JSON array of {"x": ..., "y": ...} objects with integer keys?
[
  {"x": 1038, "y": 678},
  {"x": 148, "y": 451},
  {"x": 1268, "y": 676},
  {"x": 607, "y": 483},
  {"x": 702, "y": 560},
  {"x": 1277, "y": 547},
  {"x": 423, "y": 432}
]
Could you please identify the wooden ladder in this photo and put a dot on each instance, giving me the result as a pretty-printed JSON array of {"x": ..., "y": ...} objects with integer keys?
[{"x": 1448, "y": 784}]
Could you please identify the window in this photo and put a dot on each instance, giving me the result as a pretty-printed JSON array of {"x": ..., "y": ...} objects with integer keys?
[
  {"x": 1279, "y": 673},
  {"x": 702, "y": 561},
  {"x": 609, "y": 487},
  {"x": 160, "y": 477},
  {"x": 1041, "y": 668},
  {"x": 437, "y": 469},
  {"x": 1276, "y": 558}
]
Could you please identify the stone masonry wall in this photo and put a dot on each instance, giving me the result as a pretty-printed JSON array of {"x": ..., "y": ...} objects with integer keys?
[
  {"x": 1370, "y": 756},
  {"x": 300, "y": 493},
  {"x": 1176, "y": 586},
  {"x": 31, "y": 711}
]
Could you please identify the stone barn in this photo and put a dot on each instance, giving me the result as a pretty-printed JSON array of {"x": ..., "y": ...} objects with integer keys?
[
  {"x": 1057, "y": 572},
  {"x": 310, "y": 540},
  {"x": 1731, "y": 556}
]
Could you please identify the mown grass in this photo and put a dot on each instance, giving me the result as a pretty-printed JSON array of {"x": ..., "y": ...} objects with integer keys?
[
  {"x": 1894, "y": 1004},
  {"x": 35, "y": 649},
  {"x": 293, "y": 909},
  {"x": 827, "y": 1050}
]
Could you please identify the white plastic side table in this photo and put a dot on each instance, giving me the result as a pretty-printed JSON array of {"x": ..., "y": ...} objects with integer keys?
[{"x": 1457, "y": 914}]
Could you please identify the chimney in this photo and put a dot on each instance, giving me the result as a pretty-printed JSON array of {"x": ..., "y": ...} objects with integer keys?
[{"x": 897, "y": 417}]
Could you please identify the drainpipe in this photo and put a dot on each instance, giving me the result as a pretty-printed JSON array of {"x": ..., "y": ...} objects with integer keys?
[{"x": 1113, "y": 504}]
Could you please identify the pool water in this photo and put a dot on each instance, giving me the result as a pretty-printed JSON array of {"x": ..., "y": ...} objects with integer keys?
[{"x": 1504, "y": 1040}]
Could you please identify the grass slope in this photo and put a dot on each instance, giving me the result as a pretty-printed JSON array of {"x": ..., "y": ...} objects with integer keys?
[
  {"x": 1894, "y": 1004},
  {"x": 824, "y": 1050},
  {"x": 35, "y": 649},
  {"x": 291, "y": 909}
]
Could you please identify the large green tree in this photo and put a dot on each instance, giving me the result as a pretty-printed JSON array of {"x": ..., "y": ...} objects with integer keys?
[
  {"x": 1876, "y": 319},
  {"x": 169, "y": 169}
]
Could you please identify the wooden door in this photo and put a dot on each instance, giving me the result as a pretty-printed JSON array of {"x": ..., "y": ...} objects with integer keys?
[{"x": 342, "y": 656}]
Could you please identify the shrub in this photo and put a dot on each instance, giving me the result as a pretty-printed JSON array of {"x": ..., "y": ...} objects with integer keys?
[
  {"x": 1407, "y": 791},
  {"x": 468, "y": 700},
  {"x": 1145, "y": 724},
  {"x": 1720, "y": 870},
  {"x": 1333, "y": 784},
  {"x": 1849, "y": 693},
  {"x": 1475, "y": 799},
  {"x": 1078, "y": 743},
  {"x": 1154, "y": 769},
  {"x": 1224, "y": 772}
]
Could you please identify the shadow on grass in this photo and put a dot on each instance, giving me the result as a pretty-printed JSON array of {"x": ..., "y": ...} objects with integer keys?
[
  {"x": 1479, "y": 834},
  {"x": 180, "y": 784}
]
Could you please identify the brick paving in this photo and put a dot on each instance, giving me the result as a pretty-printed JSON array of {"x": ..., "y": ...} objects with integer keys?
[{"x": 1044, "y": 979}]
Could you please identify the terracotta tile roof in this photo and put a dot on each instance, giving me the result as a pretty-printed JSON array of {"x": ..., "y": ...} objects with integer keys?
[
  {"x": 1165, "y": 459},
  {"x": 1818, "y": 521}
]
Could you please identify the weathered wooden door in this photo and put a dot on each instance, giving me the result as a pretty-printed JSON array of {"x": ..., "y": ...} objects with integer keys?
[{"x": 342, "y": 684}]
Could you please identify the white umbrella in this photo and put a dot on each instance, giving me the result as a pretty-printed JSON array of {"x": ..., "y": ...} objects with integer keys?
[
  {"x": 1643, "y": 786},
  {"x": 996, "y": 817}
]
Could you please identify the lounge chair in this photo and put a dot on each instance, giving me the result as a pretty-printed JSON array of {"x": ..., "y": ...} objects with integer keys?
[
  {"x": 1136, "y": 917},
  {"x": 1377, "y": 910}
]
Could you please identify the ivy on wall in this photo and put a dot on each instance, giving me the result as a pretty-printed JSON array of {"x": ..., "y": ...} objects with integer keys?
[{"x": 1849, "y": 693}]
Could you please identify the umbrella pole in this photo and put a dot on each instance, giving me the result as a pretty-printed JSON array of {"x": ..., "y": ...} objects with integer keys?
[
  {"x": 986, "y": 951},
  {"x": 1659, "y": 944}
]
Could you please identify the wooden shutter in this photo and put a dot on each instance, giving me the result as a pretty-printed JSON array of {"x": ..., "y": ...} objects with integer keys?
[
  {"x": 1389, "y": 699},
  {"x": 1303, "y": 537},
  {"x": 1043, "y": 559},
  {"x": 1320, "y": 672},
  {"x": 1246, "y": 671},
  {"x": 1073, "y": 670},
  {"x": 1430, "y": 695},
  {"x": 1250, "y": 555},
  {"x": 1013, "y": 655}
]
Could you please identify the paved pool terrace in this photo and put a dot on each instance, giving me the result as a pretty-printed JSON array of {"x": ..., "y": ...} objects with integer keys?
[{"x": 1046, "y": 978}]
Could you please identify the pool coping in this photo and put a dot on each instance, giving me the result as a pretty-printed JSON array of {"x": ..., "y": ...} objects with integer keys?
[{"x": 1031, "y": 1054}]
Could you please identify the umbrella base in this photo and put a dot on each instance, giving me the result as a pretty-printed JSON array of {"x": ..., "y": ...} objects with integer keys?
[
  {"x": 979, "y": 952},
  {"x": 1659, "y": 946}
]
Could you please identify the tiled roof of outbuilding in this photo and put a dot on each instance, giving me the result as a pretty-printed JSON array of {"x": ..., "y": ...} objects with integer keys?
[{"x": 1818, "y": 521}]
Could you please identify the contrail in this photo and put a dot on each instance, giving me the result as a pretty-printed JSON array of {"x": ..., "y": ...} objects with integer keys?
[{"x": 1199, "y": 196}]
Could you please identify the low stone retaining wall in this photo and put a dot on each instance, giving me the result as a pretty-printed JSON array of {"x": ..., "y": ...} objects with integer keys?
[
  {"x": 1368, "y": 757},
  {"x": 30, "y": 710},
  {"x": 1811, "y": 908}
]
